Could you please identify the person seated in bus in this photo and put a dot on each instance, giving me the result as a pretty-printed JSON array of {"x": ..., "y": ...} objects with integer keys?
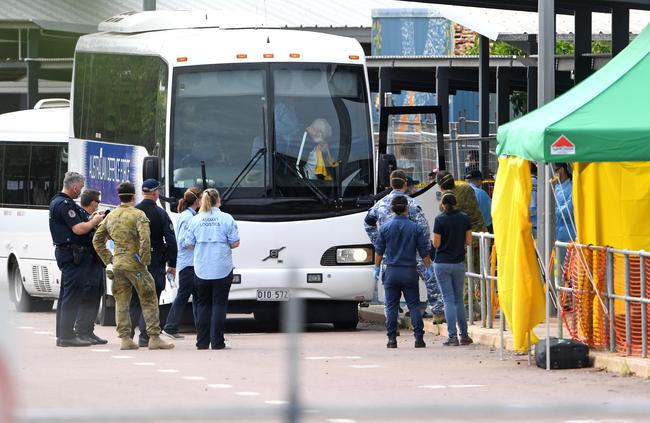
[
  {"x": 320, "y": 157},
  {"x": 286, "y": 128}
]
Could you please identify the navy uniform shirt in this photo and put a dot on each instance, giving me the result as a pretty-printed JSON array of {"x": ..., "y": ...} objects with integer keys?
[
  {"x": 399, "y": 240},
  {"x": 452, "y": 229},
  {"x": 64, "y": 214},
  {"x": 162, "y": 230}
]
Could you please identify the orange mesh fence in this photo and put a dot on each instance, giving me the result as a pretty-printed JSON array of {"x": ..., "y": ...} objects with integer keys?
[
  {"x": 585, "y": 316},
  {"x": 636, "y": 341}
]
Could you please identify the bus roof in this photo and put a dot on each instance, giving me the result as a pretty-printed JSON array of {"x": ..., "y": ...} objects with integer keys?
[
  {"x": 196, "y": 46},
  {"x": 42, "y": 125}
]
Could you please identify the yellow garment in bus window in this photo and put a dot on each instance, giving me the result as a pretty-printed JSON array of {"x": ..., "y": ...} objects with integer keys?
[
  {"x": 521, "y": 293},
  {"x": 321, "y": 167}
]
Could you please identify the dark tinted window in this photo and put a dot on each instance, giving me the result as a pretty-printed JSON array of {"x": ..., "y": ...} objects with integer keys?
[
  {"x": 31, "y": 173},
  {"x": 120, "y": 98},
  {"x": 45, "y": 177},
  {"x": 15, "y": 172}
]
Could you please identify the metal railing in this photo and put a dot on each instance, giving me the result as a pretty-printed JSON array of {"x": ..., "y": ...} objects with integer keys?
[{"x": 620, "y": 321}]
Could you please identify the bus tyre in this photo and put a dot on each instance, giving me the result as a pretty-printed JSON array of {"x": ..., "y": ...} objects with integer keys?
[
  {"x": 20, "y": 297},
  {"x": 346, "y": 324},
  {"x": 267, "y": 320},
  {"x": 106, "y": 314}
]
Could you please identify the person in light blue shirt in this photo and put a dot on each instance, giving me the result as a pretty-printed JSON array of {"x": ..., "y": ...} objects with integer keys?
[
  {"x": 565, "y": 230},
  {"x": 475, "y": 179},
  {"x": 187, "y": 208},
  {"x": 212, "y": 234}
]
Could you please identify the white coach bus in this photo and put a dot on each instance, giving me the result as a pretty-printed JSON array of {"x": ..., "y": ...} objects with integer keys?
[
  {"x": 182, "y": 98},
  {"x": 33, "y": 161}
]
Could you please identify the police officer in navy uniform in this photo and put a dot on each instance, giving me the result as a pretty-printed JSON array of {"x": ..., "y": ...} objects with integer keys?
[
  {"x": 163, "y": 250},
  {"x": 68, "y": 229},
  {"x": 94, "y": 278}
]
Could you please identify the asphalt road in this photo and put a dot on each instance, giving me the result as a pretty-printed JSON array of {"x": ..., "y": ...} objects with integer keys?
[{"x": 337, "y": 368}]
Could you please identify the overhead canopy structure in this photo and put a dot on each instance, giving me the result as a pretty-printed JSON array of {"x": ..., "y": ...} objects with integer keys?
[{"x": 603, "y": 119}]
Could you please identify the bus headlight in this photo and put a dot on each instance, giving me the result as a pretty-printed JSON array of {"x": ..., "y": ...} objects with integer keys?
[{"x": 354, "y": 255}]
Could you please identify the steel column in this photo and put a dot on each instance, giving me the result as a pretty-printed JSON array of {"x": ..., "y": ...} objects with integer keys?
[
  {"x": 442, "y": 94},
  {"x": 484, "y": 101},
  {"x": 582, "y": 67},
  {"x": 33, "y": 67},
  {"x": 620, "y": 29},
  {"x": 503, "y": 95}
]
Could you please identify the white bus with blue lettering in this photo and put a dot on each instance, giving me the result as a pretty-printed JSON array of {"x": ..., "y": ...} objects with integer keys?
[
  {"x": 277, "y": 120},
  {"x": 33, "y": 160}
]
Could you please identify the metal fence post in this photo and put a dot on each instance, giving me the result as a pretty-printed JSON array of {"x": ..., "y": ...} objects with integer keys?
[
  {"x": 483, "y": 290},
  {"x": 470, "y": 284},
  {"x": 644, "y": 308},
  {"x": 628, "y": 330},
  {"x": 488, "y": 282},
  {"x": 558, "y": 274},
  {"x": 609, "y": 276},
  {"x": 293, "y": 321},
  {"x": 502, "y": 327}
]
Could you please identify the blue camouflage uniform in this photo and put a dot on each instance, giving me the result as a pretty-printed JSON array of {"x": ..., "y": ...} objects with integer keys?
[{"x": 380, "y": 214}]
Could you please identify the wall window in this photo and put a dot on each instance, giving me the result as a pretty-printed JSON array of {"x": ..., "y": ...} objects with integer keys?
[{"x": 120, "y": 98}]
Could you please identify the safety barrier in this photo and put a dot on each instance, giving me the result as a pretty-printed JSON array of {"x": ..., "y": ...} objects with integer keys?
[
  {"x": 481, "y": 270},
  {"x": 603, "y": 296}
]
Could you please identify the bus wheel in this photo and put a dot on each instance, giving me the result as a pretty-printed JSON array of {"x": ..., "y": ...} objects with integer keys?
[
  {"x": 43, "y": 305},
  {"x": 346, "y": 324},
  {"x": 20, "y": 297},
  {"x": 348, "y": 317},
  {"x": 267, "y": 320},
  {"x": 106, "y": 314}
]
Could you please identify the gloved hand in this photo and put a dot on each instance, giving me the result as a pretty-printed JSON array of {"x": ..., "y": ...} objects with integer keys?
[
  {"x": 428, "y": 272},
  {"x": 375, "y": 273}
]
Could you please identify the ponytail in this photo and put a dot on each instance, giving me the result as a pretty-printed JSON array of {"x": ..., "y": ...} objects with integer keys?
[
  {"x": 210, "y": 199},
  {"x": 190, "y": 197},
  {"x": 449, "y": 202}
]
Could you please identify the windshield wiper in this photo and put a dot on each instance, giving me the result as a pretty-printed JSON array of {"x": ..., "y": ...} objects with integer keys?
[
  {"x": 313, "y": 188},
  {"x": 244, "y": 172}
]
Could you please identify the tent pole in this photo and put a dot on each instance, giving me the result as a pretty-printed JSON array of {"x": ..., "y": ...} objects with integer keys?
[{"x": 546, "y": 93}]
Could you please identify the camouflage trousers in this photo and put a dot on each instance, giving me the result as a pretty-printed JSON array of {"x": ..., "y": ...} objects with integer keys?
[
  {"x": 123, "y": 281},
  {"x": 434, "y": 296}
]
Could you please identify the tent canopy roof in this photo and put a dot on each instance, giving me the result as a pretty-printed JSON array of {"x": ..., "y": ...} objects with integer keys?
[{"x": 605, "y": 118}]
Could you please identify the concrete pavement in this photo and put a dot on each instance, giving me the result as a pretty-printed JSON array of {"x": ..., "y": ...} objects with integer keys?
[{"x": 610, "y": 362}]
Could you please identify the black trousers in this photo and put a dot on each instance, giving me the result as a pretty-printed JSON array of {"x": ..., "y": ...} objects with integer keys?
[
  {"x": 72, "y": 282},
  {"x": 91, "y": 293},
  {"x": 212, "y": 306}
]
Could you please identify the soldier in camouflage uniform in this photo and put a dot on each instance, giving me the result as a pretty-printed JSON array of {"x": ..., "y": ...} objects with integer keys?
[
  {"x": 128, "y": 227},
  {"x": 466, "y": 199},
  {"x": 381, "y": 213}
]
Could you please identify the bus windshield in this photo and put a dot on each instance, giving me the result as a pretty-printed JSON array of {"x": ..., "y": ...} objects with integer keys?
[{"x": 289, "y": 131}]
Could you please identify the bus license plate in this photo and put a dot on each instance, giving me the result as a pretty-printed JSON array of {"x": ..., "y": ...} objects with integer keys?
[{"x": 272, "y": 295}]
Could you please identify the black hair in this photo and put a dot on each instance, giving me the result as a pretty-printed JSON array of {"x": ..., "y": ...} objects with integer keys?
[
  {"x": 126, "y": 191},
  {"x": 399, "y": 204},
  {"x": 88, "y": 196},
  {"x": 445, "y": 180},
  {"x": 449, "y": 202},
  {"x": 566, "y": 168}
]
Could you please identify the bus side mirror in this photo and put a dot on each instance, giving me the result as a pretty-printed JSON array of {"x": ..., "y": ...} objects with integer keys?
[
  {"x": 151, "y": 168},
  {"x": 385, "y": 166}
]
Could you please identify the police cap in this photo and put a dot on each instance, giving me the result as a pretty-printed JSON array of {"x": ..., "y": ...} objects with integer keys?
[{"x": 150, "y": 185}]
